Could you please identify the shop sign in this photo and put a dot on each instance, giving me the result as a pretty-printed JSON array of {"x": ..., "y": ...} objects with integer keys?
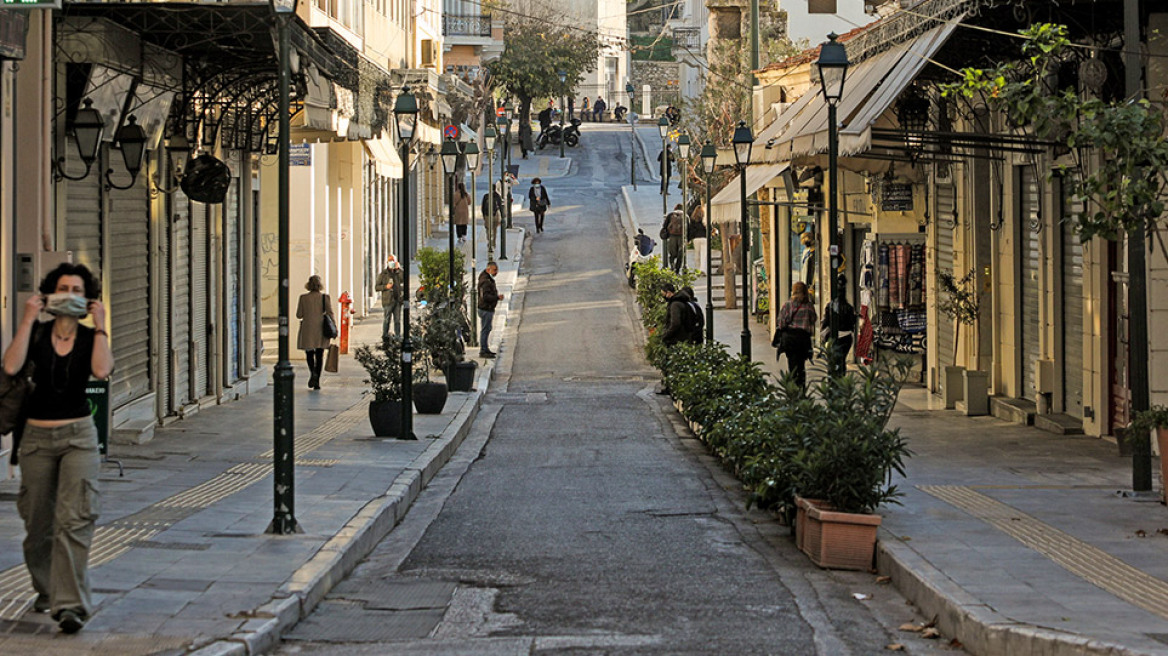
[
  {"x": 896, "y": 197},
  {"x": 299, "y": 154},
  {"x": 13, "y": 26}
]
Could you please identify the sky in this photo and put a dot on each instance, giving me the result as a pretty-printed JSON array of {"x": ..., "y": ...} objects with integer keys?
[{"x": 814, "y": 27}]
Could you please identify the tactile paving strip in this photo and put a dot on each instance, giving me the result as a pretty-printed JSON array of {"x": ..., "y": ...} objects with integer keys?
[
  {"x": 114, "y": 539},
  {"x": 1077, "y": 557}
]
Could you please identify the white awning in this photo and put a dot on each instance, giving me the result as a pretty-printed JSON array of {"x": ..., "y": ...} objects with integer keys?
[
  {"x": 870, "y": 90},
  {"x": 725, "y": 203},
  {"x": 384, "y": 156}
]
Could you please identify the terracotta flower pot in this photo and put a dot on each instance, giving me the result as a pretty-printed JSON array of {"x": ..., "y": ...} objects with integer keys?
[
  {"x": 1162, "y": 442},
  {"x": 835, "y": 540}
]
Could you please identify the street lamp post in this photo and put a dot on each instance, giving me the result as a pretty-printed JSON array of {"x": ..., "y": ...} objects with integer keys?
[
  {"x": 471, "y": 150},
  {"x": 489, "y": 137},
  {"x": 563, "y": 104},
  {"x": 283, "y": 434},
  {"x": 663, "y": 130},
  {"x": 509, "y": 110},
  {"x": 449, "y": 156},
  {"x": 632, "y": 138},
  {"x": 743, "y": 143},
  {"x": 833, "y": 69},
  {"x": 709, "y": 157},
  {"x": 683, "y": 171},
  {"x": 405, "y": 114}
]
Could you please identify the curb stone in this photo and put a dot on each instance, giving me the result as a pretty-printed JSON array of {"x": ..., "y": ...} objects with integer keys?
[{"x": 979, "y": 628}]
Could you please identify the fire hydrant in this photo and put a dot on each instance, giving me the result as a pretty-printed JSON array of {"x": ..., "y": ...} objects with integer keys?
[{"x": 346, "y": 311}]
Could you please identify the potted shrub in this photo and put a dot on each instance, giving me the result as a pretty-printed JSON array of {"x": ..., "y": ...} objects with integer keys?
[
  {"x": 434, "y": 273},
  {"x": 444, "y": 325},
  {"x": 843, "y": 470},
  {"x": 1142, "y": 424},
  {"x": 429, "y": 396},
  {"x": 961, "y": 302},
  {"x": 382, "y": 363}
]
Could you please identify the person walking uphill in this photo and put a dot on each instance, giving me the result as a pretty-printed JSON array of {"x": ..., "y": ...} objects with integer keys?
[
  {"x": 311, "y": 310},
  {"x": 58, "y": 445},
  {"x": 793, "y": 336},
  {"x": 537, "y": 200},
  {"x": 389, "y": 283},
  {"x": 675, "y": 244},
  {"x": 462, "y": 201},
  {"x": 489, "y": 297}
]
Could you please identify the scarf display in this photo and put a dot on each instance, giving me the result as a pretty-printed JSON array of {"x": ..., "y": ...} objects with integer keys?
[{"x": 892, "y": 273}]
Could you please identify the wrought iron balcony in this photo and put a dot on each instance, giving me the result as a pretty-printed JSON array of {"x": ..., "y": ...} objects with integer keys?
[
  {"x": 471, "y": 25},
  {"x": 687, "y": 38}
]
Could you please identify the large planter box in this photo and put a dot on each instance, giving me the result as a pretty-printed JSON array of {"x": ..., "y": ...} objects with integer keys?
[
  {"x": 460, "y": 377},
  {"x": 952, "y": 386},
  {"x": 835, "y": 540}
]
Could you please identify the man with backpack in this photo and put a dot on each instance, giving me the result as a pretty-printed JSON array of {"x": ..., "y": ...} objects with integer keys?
[
  {"x": 674, "y": 244},
  {"x": 681, "y": 323},
  {"x": 696, "y": 319}
]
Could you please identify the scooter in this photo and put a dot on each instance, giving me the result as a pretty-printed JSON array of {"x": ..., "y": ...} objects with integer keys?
[{"x": 551, "y": 135}]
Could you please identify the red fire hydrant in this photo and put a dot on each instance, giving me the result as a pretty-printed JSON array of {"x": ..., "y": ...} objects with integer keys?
[{"x": 346, "y": 311}]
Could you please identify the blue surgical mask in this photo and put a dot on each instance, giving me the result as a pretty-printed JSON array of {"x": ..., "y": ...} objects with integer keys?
[{"x": 65, "y": 304}]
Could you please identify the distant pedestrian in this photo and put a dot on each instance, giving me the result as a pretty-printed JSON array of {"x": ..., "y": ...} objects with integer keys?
[
  {"x": 489, "y": 297},
  {"x": 389, "y": 283},
  {"x": 58, "y": 445},
  {"x": 697, "y": 232},
  {"x": 545, "y": 118},
  {"x": 618, "y": 112},
  {"x": 845, "y": 325},
  {"x": 675, "y": 246},
  {"x": 584, "y": 109},
  {"x": 311, "y": 310},
  {"x": 642, "y": 247},
  {"x": 571, "y": 107},
  {"x": 793, "y": 337},
  {"x": 538, "y": 202},
  {"x": 461, "y": 217},
  {"x": 682, "y": 316},
  {"x": 492, "y": 216},
  {"x": 598, "y": 108},
  {"x": 526, "y": 144},
  {"x": 665, "y": 167},
  {"x": 644, "y": 242}
]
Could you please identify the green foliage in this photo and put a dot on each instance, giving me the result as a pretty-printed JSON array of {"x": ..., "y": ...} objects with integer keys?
[
  {"x": 960, "y": 298},
  {"x": 1118, "y": 147},
  {"x": 434, "y": 273},
  {"x": 442, "y": 326},
  {"x": 1146, "y": 421},
  {"x": 382, "y": 364},
  {"x": 651, "y": 278},
  {"x": 652, "y": 48}
]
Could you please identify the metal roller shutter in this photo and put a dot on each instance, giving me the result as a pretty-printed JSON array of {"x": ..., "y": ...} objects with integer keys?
[
  {"x": 165, "y": 311},
  {"x": 200, "y": 294},
  {"x": 180, "y": 329},
  {"x": 946, "y": 220},
  {"x": 231, "y": 238},
  {"x": 1072, "y": 307},
  {"x": 1029, "y": 282},
  {"x": 83, "y": 205},
  {"x": 129, "y": 271}
]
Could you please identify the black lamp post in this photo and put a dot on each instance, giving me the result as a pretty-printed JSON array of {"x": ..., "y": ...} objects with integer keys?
[
  {"x": 509, "y": 112},
  {"x": 632, "y": 138},
  {"x": 709, "y": 157},
  {"x": 449, "y": 156},
  {"x": 505, "y": 132},
  {"x": 405, "y": 114},
  {"x": 563, "y": 105},
  {"x": 663, "y": 130},
  {"x": 471, "y": 150},
  {"x": 284, "y": 432},
  {"x": 743, "y": 143},
  {"x": 489, "y": 137},
  {"x": 833, "y": 69},
  {"x": 683, "y": 171}
]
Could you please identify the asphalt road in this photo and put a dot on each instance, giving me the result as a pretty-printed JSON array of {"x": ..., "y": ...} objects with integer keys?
[{"x": 580, "y": 516}]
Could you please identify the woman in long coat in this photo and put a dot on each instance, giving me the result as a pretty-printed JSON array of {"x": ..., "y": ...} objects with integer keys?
[
  {"x": 311, "y": 310},
  {"x": 461, "y": 218}
]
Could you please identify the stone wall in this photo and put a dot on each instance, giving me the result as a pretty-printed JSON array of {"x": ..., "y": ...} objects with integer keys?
[{"x": 663, "y": 77}]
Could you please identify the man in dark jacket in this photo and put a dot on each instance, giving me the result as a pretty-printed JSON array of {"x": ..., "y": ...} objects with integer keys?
[
  {"x": 489, "y": 297},
  {"x": 389, "y": 283},
  {"x": 598, "y": 108},
  {"x": 678, "y": 322},
  {"x": 665, "y": 169},
  {"x": 675, "y": 246}
]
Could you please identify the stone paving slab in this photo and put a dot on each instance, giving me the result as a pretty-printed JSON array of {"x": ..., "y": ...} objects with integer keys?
[{"x": 1047, "y": 558}]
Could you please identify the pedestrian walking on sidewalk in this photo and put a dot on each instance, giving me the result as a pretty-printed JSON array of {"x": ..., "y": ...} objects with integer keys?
[
  {"x": 489, "y": 297},
  {"x": 585, "y": 109},
  {"x": 538, "y": 202},
  {"x": 665, "y": 167},
  {"x": 571, "y": 107},
  {"x": 697, "y": 232},
  {"x": 845, "y": 325},
  {"x": 313, "y": 307},
  {"x": 675, "y": 245},
  {"x": 389, "y": 283},
  {"x": 462, "y": 201},
  {"x": 793, "y": 336},
  {"x": 57, "y": 447}
]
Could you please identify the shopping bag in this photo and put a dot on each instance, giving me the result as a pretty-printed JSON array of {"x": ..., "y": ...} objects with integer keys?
[{"x": 333, "y": 360}]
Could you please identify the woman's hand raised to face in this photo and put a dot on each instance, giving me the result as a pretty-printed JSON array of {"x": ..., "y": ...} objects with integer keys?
[{"x": 33, "y": 307}]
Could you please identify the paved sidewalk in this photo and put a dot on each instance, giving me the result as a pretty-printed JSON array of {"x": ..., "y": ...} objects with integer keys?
[
  {"x": 181, "y": 562},
  {"x": 1017, "y": 541}
]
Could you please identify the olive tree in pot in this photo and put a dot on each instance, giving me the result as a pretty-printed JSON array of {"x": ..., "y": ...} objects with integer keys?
[
  {"x": 844, "y": 469},
  {"x": 444, "y": 326},
  {"x": 1142, "y": 424},
  {"x": 382, "y": 363},
  {"x": 960, "y": 301},
  {"x": 429, "y": 396}
]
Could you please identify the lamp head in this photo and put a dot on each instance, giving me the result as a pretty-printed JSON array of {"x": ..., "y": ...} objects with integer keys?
[
  {"x": 709, "y": 156},
  {"x": 471, "y": 150},
  {"x": 833, "y": 68},
  {"x": 662, "y": 126},
  {"x": 629, "y": 88},
  {"x": 405, "y": 114},
  {"x": 563, "y": 76},
  {"x": 131, "y": 138},
  {"x": 87, "y": 128},
  {"x": 489, "y": 137},
  {"x": 178, "y": 149},
  {"x": 743, "y": 142},
  {"x": 449, "y": 156},
  {"x": 683, "y": 146},
  {"x": 508, "y": 110}
]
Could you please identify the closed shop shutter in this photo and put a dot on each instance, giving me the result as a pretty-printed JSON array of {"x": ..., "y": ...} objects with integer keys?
[
  {"x": 83, "y": 205},
  {"x": 946, "y": 221},
  {"x": 1072, "y": 306},
  {"x": 180, "y": 328},
  {"x": 1029, "y": 287},
  {"x": 164, "y": 298},
  {"x": 129, "y": 270},
  {"x": 231, "y": 237},
  {"x": 200, "y": 293}
]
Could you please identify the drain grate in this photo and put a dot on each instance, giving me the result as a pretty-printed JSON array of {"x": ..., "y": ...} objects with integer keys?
[
  {"x": 333, "y": 622},
  {"x": 178, "y": 546}
]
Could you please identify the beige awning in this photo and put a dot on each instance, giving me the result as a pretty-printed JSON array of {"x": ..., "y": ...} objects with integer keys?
[
  {"x": 384, "y": 156},
  {"x": 871, "y": 88},
  {"x": 725, "y": 203}
]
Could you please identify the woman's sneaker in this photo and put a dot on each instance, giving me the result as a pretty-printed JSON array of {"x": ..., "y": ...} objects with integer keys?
[{"x": 70, "y": 621}]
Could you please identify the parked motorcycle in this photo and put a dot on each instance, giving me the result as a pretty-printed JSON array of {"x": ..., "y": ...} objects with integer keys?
[
  {"x": 572, "y": 133},
  {"x": 554, "y": 134}
]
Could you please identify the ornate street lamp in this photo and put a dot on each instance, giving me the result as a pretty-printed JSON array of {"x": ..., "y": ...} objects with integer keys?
[
  {"x": 683, "y": 171},
  {"x": 833, "y": 71},
  {"x": 471, "y": 150},
  {"x": 88, "y": 127},
  {"x": 663, "y": 130},
  {"x": 131, "y": 138},
  {"x": 708, "y": 159},
  {"x": 178, "y": 151},
  {"x": 632, "y": 138},
  {"x": 504, "y": 123},
  {"x": 563, "y": 105},
  {"x": 743, "y": 143},
  {"x": 449, "y": 156},
  {"x": 912, "y": 112},
  {"x": 405, "y": 115},
  {"x": 489, "y": 138}
]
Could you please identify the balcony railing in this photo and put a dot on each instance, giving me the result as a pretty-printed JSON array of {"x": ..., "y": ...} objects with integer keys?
[
  {"x": 472, "y": 25},
  {"x": 687, "y": 38}
]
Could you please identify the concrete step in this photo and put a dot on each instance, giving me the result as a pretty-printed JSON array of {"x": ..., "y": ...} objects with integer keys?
[
  {"x": 1059, "y": 424},
  {"x": 1015, "y": 411}
]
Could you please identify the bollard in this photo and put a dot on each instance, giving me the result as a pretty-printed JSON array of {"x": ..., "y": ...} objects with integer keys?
[{"x": 346, "y": 304}]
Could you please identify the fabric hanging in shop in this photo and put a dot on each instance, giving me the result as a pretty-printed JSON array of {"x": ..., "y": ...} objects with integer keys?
[
  {"x": 902, "y": 252},
  {"x": 916, "y": 277},
  {"x": 883, "y": 300},
  {"x": 864, "y": 343}
]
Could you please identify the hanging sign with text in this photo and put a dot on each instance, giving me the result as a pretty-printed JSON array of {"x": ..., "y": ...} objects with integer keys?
[{"x": 896, "y": 197}]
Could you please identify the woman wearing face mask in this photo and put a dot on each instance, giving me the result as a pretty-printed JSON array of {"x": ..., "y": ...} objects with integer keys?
[
  {"x": 537, "y": 200},
  {"x": 311, "y": 310},
  {"x": 58, "y": 452}
]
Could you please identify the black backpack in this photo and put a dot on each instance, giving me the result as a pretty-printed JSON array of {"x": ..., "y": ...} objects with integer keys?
[{"x": 695, "y": 322}]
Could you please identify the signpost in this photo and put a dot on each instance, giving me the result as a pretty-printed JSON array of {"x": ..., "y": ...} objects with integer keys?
[{"x": 450, "y": 132}]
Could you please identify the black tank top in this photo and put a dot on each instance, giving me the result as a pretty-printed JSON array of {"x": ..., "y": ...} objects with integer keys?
[{"x": 60, "y": 379}]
